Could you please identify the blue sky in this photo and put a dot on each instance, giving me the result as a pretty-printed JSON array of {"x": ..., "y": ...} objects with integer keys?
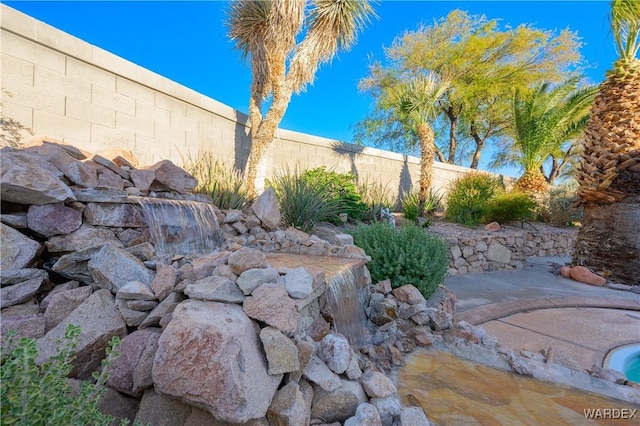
[{"x": 187, "y": 42}]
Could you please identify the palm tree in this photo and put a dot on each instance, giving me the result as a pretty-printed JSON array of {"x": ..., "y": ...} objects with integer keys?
[
  {"x": 543, "y": 119},
  {"x": 414, "y": 103},
  {"x": 266, "y": 31},
  {"x": 609, "y": 170}
]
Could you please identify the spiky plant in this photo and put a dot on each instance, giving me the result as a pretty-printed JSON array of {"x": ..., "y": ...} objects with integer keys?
[
  {"x": 609, "y": 170},
  {"x": 266, "y": 31},
  {"x": 543, "y": 120}
]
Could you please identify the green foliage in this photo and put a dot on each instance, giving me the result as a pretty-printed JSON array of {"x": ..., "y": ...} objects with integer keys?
[
  {"x": 226, "y": 185},
  {"x": 468, "y": 197},
  {"x": 410, "y": 204},
  {"x": 559, "y": 210},
  {"x": 39, "y": 395},
  {"x": 303, "y": 202},
  {"x": 407, "y": 255},
  {"x": 340, "y": 188},
  {"x": 376, "y": 197},
  {"x": 510, "y": 207}
]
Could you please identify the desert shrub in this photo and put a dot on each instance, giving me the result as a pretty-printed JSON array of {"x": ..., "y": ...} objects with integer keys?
[
  {"x": 303, "y": 202},
  {"x": 468, "y": 197},
  {"x": 225, "y": 184},
  {"x": 338, "y": 187},
  {"x": 510, "y": 207},
  {"x": 559, "y": 209},
  {"x": 407, "y": 255},
  {"x": 410, "y": 206},
  {"x": 42, "y": 395},
  {"x": 376, "y": 197}
]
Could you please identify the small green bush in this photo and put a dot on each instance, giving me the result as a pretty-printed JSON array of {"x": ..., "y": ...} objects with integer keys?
[
  {"x": 303, "y": 202},
  {"x": 468, "y": 197},
  {"x": 339, "y": 187},
  {"x": 510, "y": 207},
  {"x": 41, "y": 395},
  {"x": 559, "y": 210},
  {"x": 411, "y": 204},
  {"x": 407, "y": 255},
  {"x": 225, "y": 184},
  {"x": 376, "y": 197}
]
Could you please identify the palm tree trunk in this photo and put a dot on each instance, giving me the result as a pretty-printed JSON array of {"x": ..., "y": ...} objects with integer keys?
[
  {"x": 427, "y": 156},
  {"x": 609, "y": 240}
]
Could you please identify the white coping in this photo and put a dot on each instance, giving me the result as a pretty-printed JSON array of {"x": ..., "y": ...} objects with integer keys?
[{"x": 618, "y": 359}]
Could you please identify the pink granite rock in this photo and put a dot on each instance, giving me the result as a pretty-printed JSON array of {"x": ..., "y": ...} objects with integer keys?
[
  {"x": 492, "y": 227},
  {"x": 565, "y": 271},
  {"x": 584, "y": 275}
]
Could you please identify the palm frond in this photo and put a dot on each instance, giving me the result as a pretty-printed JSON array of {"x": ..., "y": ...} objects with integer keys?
[
  {"x": 625, "y": 22},
  {"x": 416, "y": 99}
]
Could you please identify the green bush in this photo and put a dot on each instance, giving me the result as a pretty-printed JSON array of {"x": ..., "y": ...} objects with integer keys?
[
  {"x": 407, "y": 255},
  {"x": 468, "y": 197},
  {"x": 226, "y": 185},
  {"x": 41, "y": 395},
  {"x": 338, "y": 187},
  {"x": 410, "y": 204},
  {"x": 303, "y": 202},
  {"x": 510, "y": 207},
  {"x": 559, "y": 210},
  {"x": 376, "y": 197}
]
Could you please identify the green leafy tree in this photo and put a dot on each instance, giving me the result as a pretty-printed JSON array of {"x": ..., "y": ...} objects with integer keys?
[
  {"x": 483, "y": 64},
  {"x": 266, "y": 31}
]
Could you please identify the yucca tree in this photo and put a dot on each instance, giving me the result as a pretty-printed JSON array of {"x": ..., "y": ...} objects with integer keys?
[
  {"x": 266, "y": 33},
  {"x": 543, "y": 119},
  {"x": 609, "y": 170},
  {"x": 414, "y": 103}
]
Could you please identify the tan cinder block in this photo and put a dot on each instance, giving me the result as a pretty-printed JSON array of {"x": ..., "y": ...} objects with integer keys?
[
  {"x": 64, "y": 42},
  {"x": 92, "y": 74},
  {"x": 17, "y": 22},
  {"x": 179, "y": 121},
  {"x": 115, "y": 64},
  {"x": 170, "y": 103},
  {"x": 60, "y": 83},
  {"x": 146, "y": 110},
  {"x": 198, "y": 114},
  {"x": 134, "y": 89},
  {"x": 38, "y": 99},
  {"x": 170, "y": 135},
  {"x": 16, "y": 69},
  {"x": 32, "y": 52},
  {"x": 90, "y": 112},
  {"x": 21, "y": 114},
  {"x": 110, "y": 137},
  {"x": 135, "y": 124},
  {"x": 214, "y": 131},
  {"x": 111, "y": 99},
  {"x": 61, "y": 127},
  {"x": 149, "y": 151}
]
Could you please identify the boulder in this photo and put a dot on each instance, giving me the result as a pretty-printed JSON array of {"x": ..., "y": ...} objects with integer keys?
[
  {"x": 53, "y": 219},
  {"x": 299, "y": 283},
  {"x": 130, "y": 373},
  {"x": 339, "y": 404},
  {"x": 26, "y": 324},
  {"x": 114, "y": 215},
  {"x": 246, "y": 258},
  {"x": 233, "y": 216},
  {"x": 142, "y": 179},
  {"x": 271, "y": 304},
  {"x": 251, "y": 279},
  {"x": 162, "y": 311},
  {"x": 565, "y": 271},
  {"x": 135, "y": 290},
  {"x": 408, "y": 294},
  {"x": 17, "y": 250},
  {"x": 19, "y": 293},
  {"x": 86, "y": 236},
  {"x": 204, "y": 265},
  {"x": 377, "y": 385},
  {"x": 584, "y": 275},
  {"x": 498, "y": 253},
  {"x": 336, "y": 352},
  {"x": 413, "y": 416},
  {"x": 383, "y": 311},
  {"x": 63, "y": 303},
  {"x": 169, "y": 177},
  {"x": 27, "y": 178},
  {"x": 231, "y": 381},
  {"x": 164, "y": 281},
  {"x": 118, "y": 406},
  {"x": 215, "y": 288},
  {"x": 388, "y": 408},
  {"x": 81, "y": 174},
  {"x": 110, "y": 165},
  {"x": 288, "y": 407},
  {"x": 282, "y": 353},
  {"x": 159, "y": 410},
  {"x": 492, "y": 227},
  {"x": 383, "y": 287},
  {"x": 112, "y": 267},
  {"x": 366, "y": 415},
  {"x": 16, "y": 276},
  {"x": 15, "y": 220},
  {"x": 317, "y": 372},
  {"x": 99, "y": 320},
  {"x": 266, "y": 209},
  {"x": 132, "y": 317}
]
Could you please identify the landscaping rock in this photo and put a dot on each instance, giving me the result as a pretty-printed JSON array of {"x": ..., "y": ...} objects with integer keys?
[
  {"x": 408, "y": 294},
  {"x": 366, "y": 415},
  {"x": 251, "y": 279},
  {"x": 63, "y": 303},
  {"x": 169, "y": 177},
  {"x": 584, "y": 275},
  {"x": 204, "y": 265},
  {"x": 114, "y": 215},
  {"x": 246, "y": 258},
  {"x": 271, "y": 304},
  {"x": 135, "y": 290},
  {"x": 377, "y": 385},
  {"x": 86, "y": 236},
  {"x": 17, "y": 250},
  {"x": 232, "y": 381},
  {"x": 498, "y": 253},
  {"x": 112, "y": 267},
  {"x": 336, "y": 352},
  {"x": 19, "y": 293},
  {"x": 215, "y": 288},
  {"x": 492, "y": 227},
  {"x": 317, "y": 372},
  {"x": 142, "y": 179},
  {"x": 99, "y": 320},
  {"x": 266, "y": 209},
  {"x": 159, "y": 410},
  {"x": 413, "y": 416},
  {"x": 288, "y": 407},
  {"x": 389, "y": 408},
  {"x": 282, "y": 353},
  {"x": 161, "y": 311},
  {"x": 299, "y": 283},
  {"x": 339, "y": 404},
  {"x": 383, "y": 287},
  {"x": 53, "y": 219},
  {"x": 164, "y": 281}
]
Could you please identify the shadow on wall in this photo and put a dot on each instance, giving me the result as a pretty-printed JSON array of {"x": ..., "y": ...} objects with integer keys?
[
  {"x": 405, "y": 183},
  {"x": 347, "y": 150},
  {"x": 242, "y": 140}
]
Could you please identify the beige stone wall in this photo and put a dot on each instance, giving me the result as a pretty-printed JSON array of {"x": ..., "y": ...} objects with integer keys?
[{"x": 60, "y": 86}]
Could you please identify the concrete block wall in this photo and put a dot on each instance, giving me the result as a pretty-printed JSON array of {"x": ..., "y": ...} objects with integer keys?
[{"x": 60, "y": 86}]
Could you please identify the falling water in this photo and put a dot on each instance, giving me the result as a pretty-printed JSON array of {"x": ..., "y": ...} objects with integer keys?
[
  {"x": 181, "y": 227},
  {"x": 346, "y": 305}
]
